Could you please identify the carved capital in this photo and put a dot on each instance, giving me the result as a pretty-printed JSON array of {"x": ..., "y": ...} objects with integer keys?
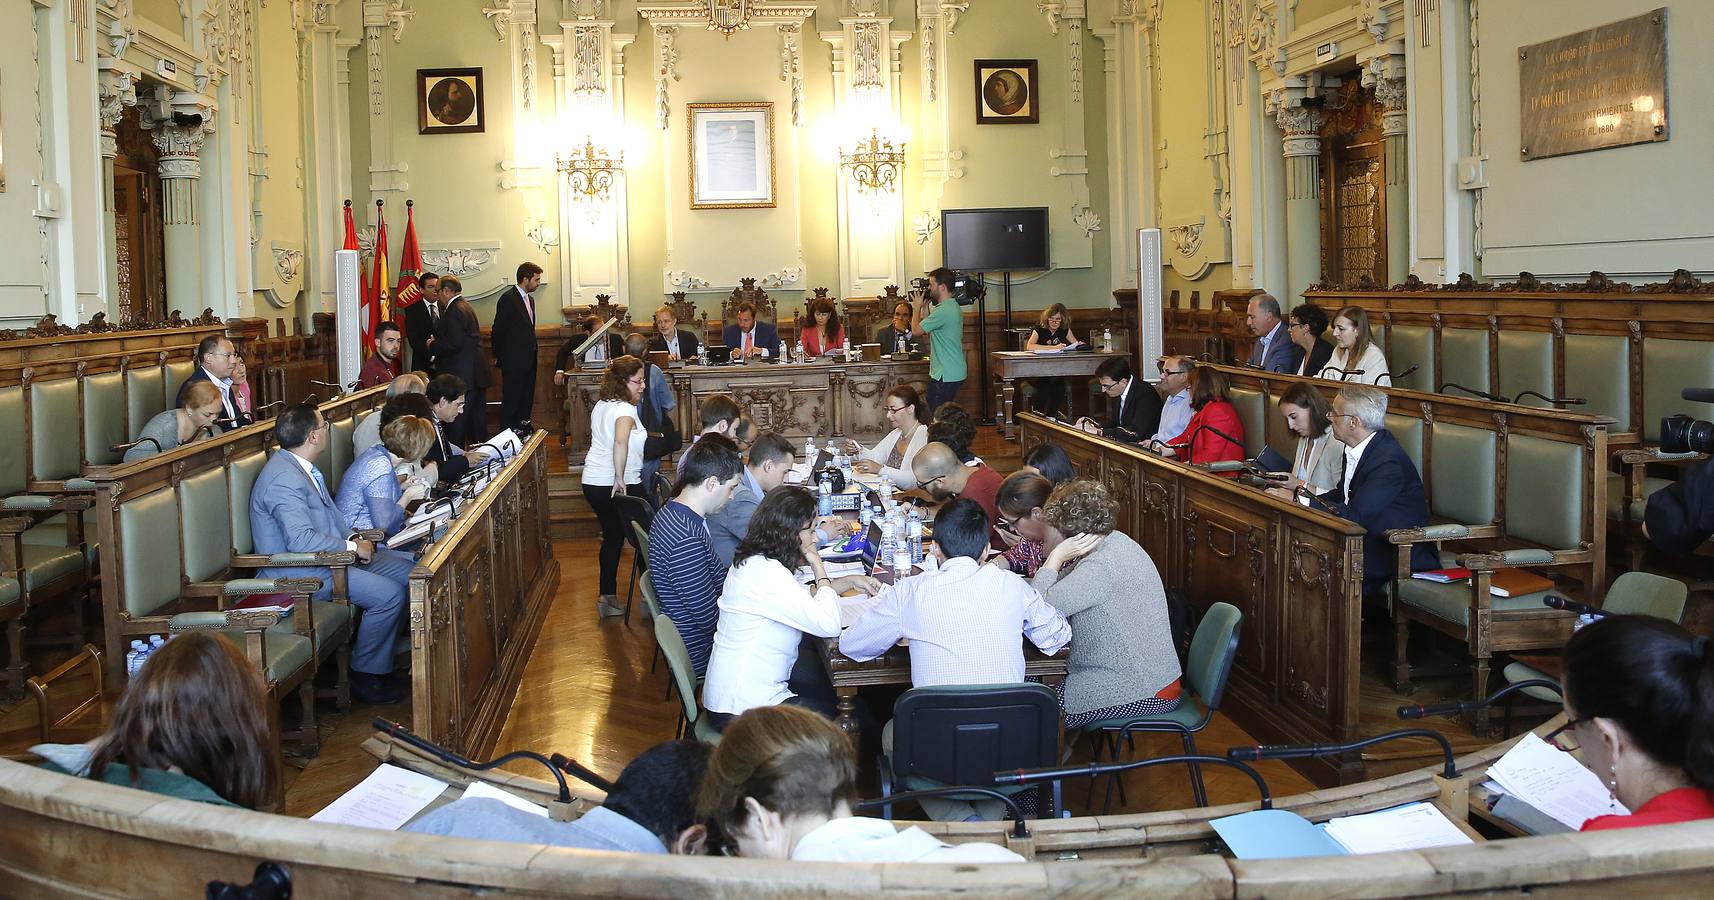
[
  {"x": 1302, "y": 126},
  {"x": 1390, "y": 94},
  {"x": 181, "y": 148}
]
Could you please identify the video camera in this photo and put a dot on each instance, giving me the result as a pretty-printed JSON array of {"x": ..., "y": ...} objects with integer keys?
[
  {"x": 965, "y": 288},
  {"x": 1683, "y": 434}
]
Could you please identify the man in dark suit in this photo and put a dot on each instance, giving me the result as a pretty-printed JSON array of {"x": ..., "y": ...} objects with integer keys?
[
  {"x": 1135, "y": 403},
  {"x": 446, "y": 395},
  {"x": 514, "y": 342},
  {"x": 457, "y": 350},
  {"x": 889, "y": 335},
  {"x": 678, "y": 343},
  {"x": 1381, "y": 489},
  {"x": 1274, "y": 350},
  {"x": 750, "y": 337},
  {"x": 215, "y": 360},
  {"x": 421, "y": 318}
]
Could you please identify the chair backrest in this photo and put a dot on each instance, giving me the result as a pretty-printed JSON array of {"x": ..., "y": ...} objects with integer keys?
[
  {"x": 642, "y": 541},
  {"x": 635, "y": 510},
  {"x": 663, "y": 488},
  {"x": 678, "y": 661},
  {"x": 963, "y": 734},
  {"x": 651, "y": 601},
  {"x": 1646, "y": 594},
  {"x": 1212, "y": 651}
]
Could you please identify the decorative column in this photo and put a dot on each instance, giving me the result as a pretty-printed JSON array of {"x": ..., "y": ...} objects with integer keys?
[
  {"x": 118, "y": 89},
  {"x": 941, "y": 160},
  {"x": 379, "y": 18},
  {"x": 180, "y": 141},
  {"x": 324, "y": 73},
  {"x": 1395, "y": 130},
  {"x": 1301, "y": 144},
  {"x": 1132, "y": 198},
  {"x": 866, "y": 70}
]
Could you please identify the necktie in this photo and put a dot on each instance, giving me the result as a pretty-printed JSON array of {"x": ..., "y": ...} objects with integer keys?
[
  {"x": 529, "y": 308},
  {"x": 320, "y": 482},
  {"x": 746, "y": 343}
]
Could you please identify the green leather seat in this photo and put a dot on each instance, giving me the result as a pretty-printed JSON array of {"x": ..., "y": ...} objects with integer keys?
[
  {"x": 52, "y": 534},
  {"x": 332, "y": 625},
  {"x": 1251, "y": 407},
  {"x": 286, "y": 653},
  {"x": 1633, "y": 593},
  {"x": 1452, "y": 601},
  {"x": 1639, "y": 505},
  {"x": 1411, "y": 345},
  {"x": 10, "y": 592},
  {"x": 1464, "y": 357},
  {"x": 43, "y": 564},
  {"x": 1602, "y": 376}
]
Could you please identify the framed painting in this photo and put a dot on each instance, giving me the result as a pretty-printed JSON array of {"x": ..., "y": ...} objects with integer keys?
[
  {"x": 731, "y": 155},
  {"x": 1007, "y": 92},
  {"x": 449, "y": 101}
]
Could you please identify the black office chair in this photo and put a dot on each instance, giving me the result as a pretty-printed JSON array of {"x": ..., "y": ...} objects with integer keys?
[
  {"x": 636, "y": 513},
  {"x": 963, "y": 734}
]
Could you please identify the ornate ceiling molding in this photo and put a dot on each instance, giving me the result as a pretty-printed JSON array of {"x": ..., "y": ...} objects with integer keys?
[{"x": 694, "y": 14}]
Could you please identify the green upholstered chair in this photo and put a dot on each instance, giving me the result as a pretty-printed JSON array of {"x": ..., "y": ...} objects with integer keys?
[
  {"x": 1251, "y": 406},
  {"x": 12, "y": 609},
  {"x": 1543, "y": 529},
  {"x": 1632, "y": 594},
  {"x": 1208, "y": 665},
  {"x": 1411, "y": 345},
  {"x": 684, "y": 676},
  {"x": 1464, "y": 357},
  {"x": 651, "y": 603}
]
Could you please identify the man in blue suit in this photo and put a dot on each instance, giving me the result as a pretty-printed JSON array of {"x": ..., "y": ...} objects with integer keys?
[
  {"x": 1274, "y": 350},
  {"x": 1381, "y": 489},
  {"x": 216, "y": 359},
  {"x": 292, "y": 511},
  {"x": 748, "y": 337}
]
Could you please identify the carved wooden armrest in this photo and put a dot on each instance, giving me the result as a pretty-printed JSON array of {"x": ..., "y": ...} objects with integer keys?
[
  {"x": 55, "y": 502},
  {"x": 327, "y": 558},
  {"x": 1529, "y": 556},
  {"x": 220, "y": 620},
  {"x": 1450, "y": 531},
  {"x": 372, "y": 535},
  {"x": 1638, "y": 456}
]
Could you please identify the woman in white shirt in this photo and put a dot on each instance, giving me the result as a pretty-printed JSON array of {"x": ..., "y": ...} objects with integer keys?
[
  {"x": 616, "y": 438},
  {"x": 1320, "y": 460},
  {"x": 892, "y": 456},
  {"x": 781, "y": 785},
  {"x": 1354, "y": 347},
  {"x": 765, "y": 612}
]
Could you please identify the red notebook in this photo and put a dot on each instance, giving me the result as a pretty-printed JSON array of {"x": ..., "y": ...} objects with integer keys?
[
  {"x": 280, "y": 602},
  {"x": 1442, "y": 576}
]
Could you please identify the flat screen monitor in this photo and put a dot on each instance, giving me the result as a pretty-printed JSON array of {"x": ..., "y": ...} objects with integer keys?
[{"x": 994, "y": 240}]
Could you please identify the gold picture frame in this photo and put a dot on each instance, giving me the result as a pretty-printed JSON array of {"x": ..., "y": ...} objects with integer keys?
[{"x": 731, "y": 155}]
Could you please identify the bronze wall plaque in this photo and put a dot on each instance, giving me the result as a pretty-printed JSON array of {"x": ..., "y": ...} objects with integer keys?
[{"x": 1605, "y": 87}]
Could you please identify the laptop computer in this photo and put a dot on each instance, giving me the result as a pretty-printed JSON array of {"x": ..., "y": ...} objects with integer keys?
[{"x": 719, "y": 354}]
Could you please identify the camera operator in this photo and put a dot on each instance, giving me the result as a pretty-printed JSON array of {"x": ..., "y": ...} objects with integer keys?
[
  {"x": 1681, "y": 515},
  {"x": 936, "y": 315}
]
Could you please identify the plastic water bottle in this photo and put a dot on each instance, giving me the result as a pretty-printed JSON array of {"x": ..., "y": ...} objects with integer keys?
[
  {"x": 864, "y": 515},
  {"x": 799, "y": 355},
  {"x": 782, "y": 356},
  {"x": 914, "y": 531},
  {"x": 134, "y": 657},
  {"x": 826, "y": 506},
  {"x": 901, "y": 559},
  {"x": 155, "y": 642},
  {"x": 1106, "y": 340},
  {"x": 846, "y": 349},
  {"x": 809, "y": 449},
  {"x": 886, "y": 493},
  {"x": 702, "y": 354}
]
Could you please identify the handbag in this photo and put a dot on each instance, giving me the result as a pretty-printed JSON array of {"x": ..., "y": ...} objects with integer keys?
[{"x": 663, "y": 437}]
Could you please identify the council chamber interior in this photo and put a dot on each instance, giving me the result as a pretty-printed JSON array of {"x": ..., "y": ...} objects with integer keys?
[{"x": 855, "y": 447}]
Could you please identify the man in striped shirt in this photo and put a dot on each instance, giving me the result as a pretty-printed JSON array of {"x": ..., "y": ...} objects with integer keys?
[{"x": 686, "y": 573}]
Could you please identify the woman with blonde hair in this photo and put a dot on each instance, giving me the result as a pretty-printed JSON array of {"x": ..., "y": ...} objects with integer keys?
[
  {"x": 1355, "y": 349},
  {"x": 375, "y": 491},
  {"x": 614, "y": 466},
  {"x": 192, "y": 724},
  {"x": 781, "y": 785},
  {"x": 190, "y": 423},
  {"x": 1052, "y": 331}
]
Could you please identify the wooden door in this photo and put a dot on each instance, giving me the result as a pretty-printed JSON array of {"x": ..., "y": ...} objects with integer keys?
[{"x": 140, "y": 247}]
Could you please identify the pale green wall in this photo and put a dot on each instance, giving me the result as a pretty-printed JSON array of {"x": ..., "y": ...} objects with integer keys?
[
  {"x": 20, "y": 270},
  {"x": 279, "y": 122},
  {"x": 1310, "y": 10},
  {"x": 162, "y": 12}
]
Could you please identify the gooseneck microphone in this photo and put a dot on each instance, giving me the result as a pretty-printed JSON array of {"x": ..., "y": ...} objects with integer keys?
[
  {"x": 1553, "y": 401},
  {"x": 121, "y": 448},
  {"x": 1343, "y": 373},
  {"x": 399, "y": 733},
  {"x": 1198, "y": 430},
  {"x": 579, "y": 771},
  {"x": 1423, "y": 711},
  {"x": 1019, "y": 830},
  {"x": 1472, "y": 392},
  {"x": 1058, "y": 773},
  {"x": 1315, "y": 751},
  {"x": 1393, "y": 377}
]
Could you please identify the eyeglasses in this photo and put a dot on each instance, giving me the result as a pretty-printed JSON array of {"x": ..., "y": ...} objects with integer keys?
[
  {"x": 1565, "y": 736},
  {"x": 895, "y": 409},
  {"x": 1107, "y": 386},
  {"x": 1331, "y": 415},
  {"x": 1007, "y": 525},
  {"x": 924, "y": 484}
]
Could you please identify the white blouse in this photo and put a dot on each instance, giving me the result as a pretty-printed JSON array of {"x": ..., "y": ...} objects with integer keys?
[
  {"x": 1373, "y": 363},
  {"x": 603, "y": 425},
  {"x": 902, "y": 476},
  {"x": 764, "y": 614},
  {"x": 1319, "y": 463}
]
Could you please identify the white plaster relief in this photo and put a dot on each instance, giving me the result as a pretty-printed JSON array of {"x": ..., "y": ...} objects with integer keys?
[
  {"x": 924, "y": 225},
  {"x": 866, "y": 57},
  {"x": 791, "y": 67},
  {"x": 460, "y": 262},
  {"x": 666, "y": 68},
  {"x": 288, "y": 262},
  {"x": 1086, "y": 219}
]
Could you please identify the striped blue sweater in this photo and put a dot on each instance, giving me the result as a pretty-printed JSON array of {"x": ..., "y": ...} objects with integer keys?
[{"x": 687, "y": 577}]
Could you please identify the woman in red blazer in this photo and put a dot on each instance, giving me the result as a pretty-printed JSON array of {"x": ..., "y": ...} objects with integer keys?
[
  {"x": 1214, "y": 432},
  {"x": 1639, "y": 711},
  {"x": 825, "y": 332}
]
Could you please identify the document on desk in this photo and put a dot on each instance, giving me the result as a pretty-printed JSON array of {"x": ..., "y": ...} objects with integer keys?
[
  {"x": 1413, "y": 826},
  {"x": 482, "y": 790},
  {"x": 1554, "y": 782},
  {"x": 387, "y": 799},
  {"x": 1274, "y": 834}
]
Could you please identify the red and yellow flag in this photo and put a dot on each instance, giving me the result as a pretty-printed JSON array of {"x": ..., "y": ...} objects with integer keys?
[
  {"x": 410, "y": 266},
  {"x": 376, "y": 301}
]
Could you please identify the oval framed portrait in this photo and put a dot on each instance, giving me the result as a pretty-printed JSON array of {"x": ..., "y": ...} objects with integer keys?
[
  {"x": 449, "y": 101},
  {"x": 1007, "y": 92}
]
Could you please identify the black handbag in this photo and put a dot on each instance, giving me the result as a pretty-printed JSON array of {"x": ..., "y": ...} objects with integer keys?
[{"x": 663, "y": 438}]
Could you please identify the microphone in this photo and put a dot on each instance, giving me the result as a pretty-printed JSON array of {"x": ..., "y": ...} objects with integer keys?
[
  {"x": 1250, "y": 365},
  {"x": 1206, "y": 427},
  {"x": 573, "y": 767},
  {"x": 398, "y": 733},
  {"x": 1555, "y": 401},
  {"x": 1058, "y": 773},
  {"x": 1347, "y": 373},
  {"x": 1554, "y": 601},
  {"x": 1306, "y": 492},
  {"x": 1393, "y": 377},
  {"x": 1472, "y": 392},
  {"x": 276, "y": 403},
  {"x": 1423, "y": 711},
  {"x": 1697, "y": 395},
  {"x": 337, "y": 390},
  {"x": 1019, "y": 830},
  {"x": 121, "y": 448},
  {"x": 1315, "y": 751}
]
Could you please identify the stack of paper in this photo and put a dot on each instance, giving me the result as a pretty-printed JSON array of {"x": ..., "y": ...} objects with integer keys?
[
  {"x": 1413, "y": 826},
  {"x": 1552, "y": 781},
  {"x": 387, "y": 799},
  {"x": 482, "y": 790}
]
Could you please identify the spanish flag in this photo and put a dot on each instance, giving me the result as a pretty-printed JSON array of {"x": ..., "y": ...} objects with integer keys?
[{"x": 376, "y": 304}]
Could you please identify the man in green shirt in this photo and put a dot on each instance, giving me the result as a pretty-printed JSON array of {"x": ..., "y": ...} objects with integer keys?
[{"x": 941, "y": 318}]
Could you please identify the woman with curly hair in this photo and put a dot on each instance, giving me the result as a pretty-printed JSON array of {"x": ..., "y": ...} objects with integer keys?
[
  {"x": 765, "y": 612},
  {"x": 1052, "y": 333},
  {"x": 825, "y": 334},
  {"x": 1122, "y": 662},
  {"x": 613, "y": 467}
]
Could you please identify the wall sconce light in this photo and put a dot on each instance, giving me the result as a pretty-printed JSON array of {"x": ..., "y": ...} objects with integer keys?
[
  {"x": 590, "y": 172},
  {"x": 876, "y": 163}
]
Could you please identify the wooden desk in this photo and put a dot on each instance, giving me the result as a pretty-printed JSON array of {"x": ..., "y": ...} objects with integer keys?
[
  {"x": 1010, "y": 365},
  {"x": 824, "y": 399},
  {"x": 477, "y": 598},
  {"x": 1295, "y": 573},
  {"x": 894, "y": 667}
]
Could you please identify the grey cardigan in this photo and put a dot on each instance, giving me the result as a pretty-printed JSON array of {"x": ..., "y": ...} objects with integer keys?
[
  {"x": 1121, "y": 636},
  {"x": 163, "y": 427}
]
